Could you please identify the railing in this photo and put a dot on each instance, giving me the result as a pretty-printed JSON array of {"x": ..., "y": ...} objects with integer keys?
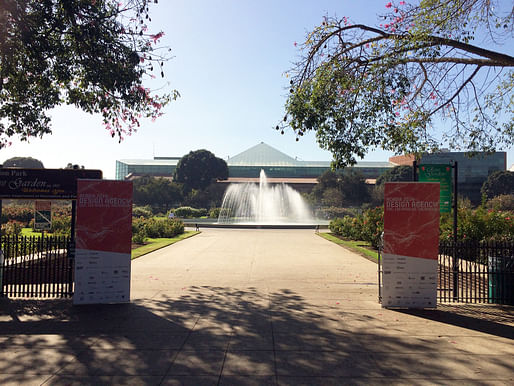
[
  {"x": 36, "y": 267},
  {"x": 472, "y": 272},
  {"x": 480, "y": 272}
]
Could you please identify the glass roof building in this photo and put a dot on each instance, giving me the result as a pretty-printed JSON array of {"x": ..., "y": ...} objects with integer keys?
[{"x": 247, "y": 165}]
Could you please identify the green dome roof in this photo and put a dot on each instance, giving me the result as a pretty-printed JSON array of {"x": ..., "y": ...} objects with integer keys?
[{"x": 262, "y": 155}]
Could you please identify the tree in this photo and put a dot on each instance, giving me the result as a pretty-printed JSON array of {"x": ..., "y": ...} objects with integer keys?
[
  {"x": 23, "y": 162},
  {"x": 498, "y": 183},
  {"x": 160, "y": 193},
  {"x": 359, "y": 86},
  {"x": 92, "y": 54},
  {"x": 397, "y": 174},
  {"x": 338, "y": 189},
  {"x": 199, "y": 169}
]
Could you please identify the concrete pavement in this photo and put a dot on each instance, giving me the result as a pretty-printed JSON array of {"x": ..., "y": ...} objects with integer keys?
[{"x": 253, "y": 307}]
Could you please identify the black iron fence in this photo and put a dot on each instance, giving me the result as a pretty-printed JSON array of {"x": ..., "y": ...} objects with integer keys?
[
  {"x": 473, "y": 272},
  {"x": 36, "y": 267},
  {"x": 476, "y": 272}
]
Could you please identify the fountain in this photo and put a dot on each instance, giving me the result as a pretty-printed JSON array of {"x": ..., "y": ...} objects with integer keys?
[{"x": 265, "y": 204}]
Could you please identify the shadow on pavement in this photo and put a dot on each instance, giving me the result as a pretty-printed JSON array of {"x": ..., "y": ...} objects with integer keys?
[
  {"x": 221, "y": 335},
  {"x": 490, "y": 319}
]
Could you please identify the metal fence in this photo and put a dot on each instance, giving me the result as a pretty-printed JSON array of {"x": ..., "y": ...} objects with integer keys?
[
  {"x": 476, "y": 272},
  {"x": 473, "y": 272},
  {"x": 36, "y": 267}
]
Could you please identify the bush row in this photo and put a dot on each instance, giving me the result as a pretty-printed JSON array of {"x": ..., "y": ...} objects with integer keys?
[
  {"x": 143, "y": 228},
  {"x": 473, "y": 224},
  {"x": 367, "y": 226}
]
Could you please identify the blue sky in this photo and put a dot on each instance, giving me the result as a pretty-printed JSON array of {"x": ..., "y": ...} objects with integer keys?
[{"x": 228, "y": 65}]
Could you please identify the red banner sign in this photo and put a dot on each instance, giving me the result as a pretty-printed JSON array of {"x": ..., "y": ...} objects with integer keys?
[
  {"x": 103, "y": 241},
  {"x": 411, "y": 242}
]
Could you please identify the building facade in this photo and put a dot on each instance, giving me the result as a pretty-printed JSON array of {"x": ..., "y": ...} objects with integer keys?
[{"x": 282, "y": 168}]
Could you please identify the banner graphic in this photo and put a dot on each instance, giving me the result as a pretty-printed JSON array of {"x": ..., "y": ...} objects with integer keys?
[
  {"x": 411, "y": 244},
  {"x": 103, "y": 241}
]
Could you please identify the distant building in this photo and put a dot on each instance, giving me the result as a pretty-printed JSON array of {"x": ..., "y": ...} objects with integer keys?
[
  {"x": 246, "y": 166},
  {"x": 472, "y": 171},
  {"x": 302, "y": 175}
]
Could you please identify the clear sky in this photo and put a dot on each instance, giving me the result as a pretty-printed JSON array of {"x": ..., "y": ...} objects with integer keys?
[{"x": 228, "y": 65}]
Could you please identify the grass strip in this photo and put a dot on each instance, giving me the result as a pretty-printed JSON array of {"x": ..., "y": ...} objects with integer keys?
[
  {"x": 360, "y": 247},
  {"x": 155, "y": 244}
]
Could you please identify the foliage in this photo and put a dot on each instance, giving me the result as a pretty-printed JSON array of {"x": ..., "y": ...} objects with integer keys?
[
  {"x": 23, "y": 162},
  {"x": 399, "y": 173},
  {"x": 200, "y": 168},
  {"x": 498, "y": 183},
  {"x": 479, "y": 225},
  {"x": 155, "y": 228},
  {"x": 12, "y": 227},
  {"x": 502, "y": 202},
  {"x": 214, "y": 212},
  {"x": 473, "y": 224},
  {"x": 160, "y": 193},
  {"x": 61, "y": 225},
  {"x": 142, "y": 211},
  {"x": 94, "y": 55},
  {"x": 139, "y": 234},
  {"x": 22, "y": 214},
  {"x": 367, "y": 227},
  {"x": 360, "y": 87},
  {"x": 333, "y": 212},
  {"x": 189, "y": 212},
  {"x": 211, "y": 196},
  {"x": 338, "y": 189}
]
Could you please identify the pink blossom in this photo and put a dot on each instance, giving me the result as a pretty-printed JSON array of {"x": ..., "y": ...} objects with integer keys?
[
  {"x": 156, "y": 36},
  {"x": 295, "y": 44},
  {"x": 402, "y": 2},
  {"x": 389, "y": 5}
]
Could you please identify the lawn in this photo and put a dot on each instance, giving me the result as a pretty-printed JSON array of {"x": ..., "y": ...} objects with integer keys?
[
  {"x": 155, "y": 244},
  {"x": 363, "y": 248}
]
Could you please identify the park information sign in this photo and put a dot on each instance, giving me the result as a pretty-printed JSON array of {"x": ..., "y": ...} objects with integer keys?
[
  {"x": 443, "y": 175},
  {"x": 43, "y": 215},
  {"x": 103, "y": 242},
  {"x": 411, "y": 244},
  {"x": 43, "y": 183}
]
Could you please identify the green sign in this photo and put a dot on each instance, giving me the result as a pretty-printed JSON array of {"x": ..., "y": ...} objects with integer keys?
[{"x": 443, "y": 175}]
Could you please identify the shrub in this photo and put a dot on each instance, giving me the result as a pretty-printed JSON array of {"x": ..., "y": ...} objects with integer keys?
[
  {"x": 502, "y": 202},
  {"x": 22, "y": 214},
  {"x": 156, "y": 228},
  {"x": 142, "y": 211},
  {"x": 139, "y": 235},
  {"x": 348, "y": 227},
  {"x": 61, "y": 225},
  {"x": 13, "y": 227},
  {"x": 335, "y": 212},
  {"x": 189, "y": 212},
  {"x": 479, "y": 225},
  {"x": 373, "y": 226},
  {"x": 214, "y": 212}
]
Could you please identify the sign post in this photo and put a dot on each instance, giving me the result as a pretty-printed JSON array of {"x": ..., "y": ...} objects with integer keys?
[
  {"x": 411, "y": 244},
  {"x": 103, "y": 242}
]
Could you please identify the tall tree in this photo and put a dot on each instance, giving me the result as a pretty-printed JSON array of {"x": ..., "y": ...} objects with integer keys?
[
  {"x": 360, "y": 86},
  {"x": 23, "y": 162},
  {"x": 157, "y": 192},
  {"x": 199, "y": 169},
  {"x": 498, "y": 183},
  {"x": 396, "y": 174},
  {"x": 94, "y": 54}
]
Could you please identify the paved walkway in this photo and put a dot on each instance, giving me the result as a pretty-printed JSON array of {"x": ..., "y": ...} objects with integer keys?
[{"x": 253, "y": 307}]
